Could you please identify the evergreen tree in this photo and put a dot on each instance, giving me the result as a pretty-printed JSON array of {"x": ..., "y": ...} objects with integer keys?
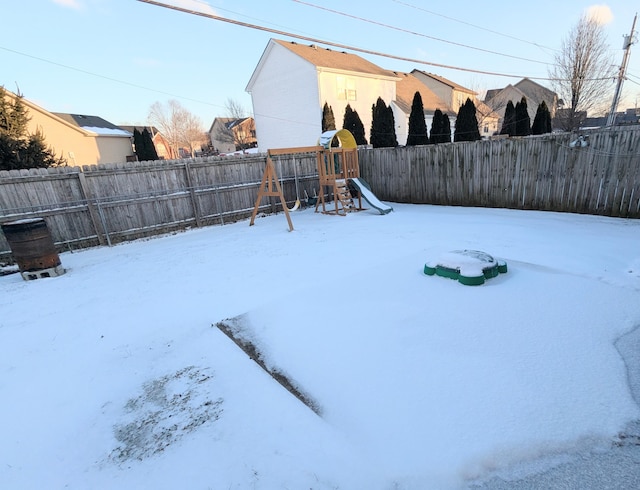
[
  {"x": 13, "y": 116},
  {"x": 523, "y": 121},
  {"x": 378, "y": 111},
  {"x": 38, "y": 154},
  {"x": 328, "y": 121},
  {"x": 383, "y": 131},
  {"x": 353, "y": 124},
  {"x": 417, "y": 125},
  {"x": 542, "y": 121},
  {"x": 391, "y": 140},
  {"x": 138, "y": 144},
  {"x": 509, "y": 121},
  {"x": 467, "y": 123},
  {"x": 149, "y": 147},
  {"x": 440, "y": 128},
  {"x": 445, "y": 136},
  {"x": 461, "y": 123},
  {"x": 436, "y": 127},
  {"x": 18, "y": 148}
]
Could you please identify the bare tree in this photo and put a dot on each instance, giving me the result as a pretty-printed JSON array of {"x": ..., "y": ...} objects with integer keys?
[
  {"x": 235, "y": 130},
  {"x": 234, "y": 109},
  {"x": 583, "y": 73},
  {"x": 180, "y": 127},
  {"x": 194, "y": 135}
]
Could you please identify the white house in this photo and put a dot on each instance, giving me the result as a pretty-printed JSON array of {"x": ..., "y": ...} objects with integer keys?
[{"x": 292, "y": 82}]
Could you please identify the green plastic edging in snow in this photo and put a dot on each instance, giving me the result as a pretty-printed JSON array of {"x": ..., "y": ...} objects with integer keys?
[{"x": 459, "y": 260}]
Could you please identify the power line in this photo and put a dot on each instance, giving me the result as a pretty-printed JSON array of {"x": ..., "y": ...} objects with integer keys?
[
  {"x": 142, "y": 87},
  {"x": 473, "y": 25},
  {"x": 336, "y": 45},
  {"x": 418, "y": 33},
  {"x": 86, "y": 72},
  {"x": 630, "y": 78}
]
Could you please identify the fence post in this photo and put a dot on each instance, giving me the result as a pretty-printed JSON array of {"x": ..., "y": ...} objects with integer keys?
[
  {"x": 192, "y": 193},
  {"x": 104, "y": 223},
  {"x": 90, "y": 207}
]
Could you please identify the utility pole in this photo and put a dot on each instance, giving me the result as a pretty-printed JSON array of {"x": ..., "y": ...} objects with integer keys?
[{"x": 626, "y": 45}]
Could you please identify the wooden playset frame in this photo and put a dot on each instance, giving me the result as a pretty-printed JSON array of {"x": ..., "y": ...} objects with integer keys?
[{"x": 336, "y": 165}]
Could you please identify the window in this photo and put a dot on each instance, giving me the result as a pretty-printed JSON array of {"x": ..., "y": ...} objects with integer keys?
[{"x": 346, "y": 88}]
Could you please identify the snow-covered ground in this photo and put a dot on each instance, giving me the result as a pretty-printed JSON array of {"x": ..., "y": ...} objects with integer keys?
[{"x": 114, "y": 375}]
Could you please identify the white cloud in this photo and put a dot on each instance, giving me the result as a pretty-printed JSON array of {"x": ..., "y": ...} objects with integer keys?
[
  {"x": 600, "y": 13},
  {"x": 74, "y": 4}
]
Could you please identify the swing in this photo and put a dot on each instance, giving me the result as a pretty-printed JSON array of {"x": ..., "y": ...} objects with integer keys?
[
  {"x": 295, "y": 176},
  {"x": 311, "y": 201}
]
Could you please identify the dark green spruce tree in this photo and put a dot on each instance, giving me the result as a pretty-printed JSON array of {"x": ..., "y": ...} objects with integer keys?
[
  {"x": 509, "y": 120},
  {"x": 149, "y": 148},
  {"x": 542, "y": 120},
  {"x": 383, "y": 133},
  {"x": 18, "y": 148},
  {"x": 445, "y": 136},
  {"x": 390, "y": 122},
  {"x": 466, "y": 123},
  {"x": 417, "y": 125},
  {"x": 138, "y": 144},
  {"x": 440, "y": 128},
  {"x": 328, "y": 121},
  {"x": 523, "y": 121},
  {"x": 353, "y": 124}
]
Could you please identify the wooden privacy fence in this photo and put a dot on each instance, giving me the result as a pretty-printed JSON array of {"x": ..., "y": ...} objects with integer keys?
[
  {"x": 105, "y": 204},
  {"x": 538, "y": 172}
]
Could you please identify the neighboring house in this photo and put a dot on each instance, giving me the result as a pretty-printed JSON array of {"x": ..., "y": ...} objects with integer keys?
[
  {"x": 292, "y": 82},
  {"x": 228, "y": 134},
  {"x": 406, "y": 89},
  {"x": 630, "y": 116},
  {"x": 455, "y": 95},
  {"x": 163, "y": 148},
  {"x": 103, "y": 142},
  {"x": 80, "y": 140},
  {"x": 534, "y": 93}
]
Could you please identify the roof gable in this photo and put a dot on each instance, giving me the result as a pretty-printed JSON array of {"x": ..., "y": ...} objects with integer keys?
[
  {"x": 445, "y": 81},
  {"x": 36, "y": 108},
  {"x": 406, "y": 89},
  {"x": 336, "y": 60},
  {"x": 534, "y": 89},
  {"x": 510, "y": 92},
  {"x": 220, "y": 121},
  {"x": 93, "y": 124}
]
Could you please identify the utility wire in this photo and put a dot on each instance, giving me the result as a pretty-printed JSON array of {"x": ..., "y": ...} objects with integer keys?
[
  {"x": 418, "y": 33},
  {"x": 473, "y": 25},
  {"x": 142, "y": 87},
  {"x": 86, "y": 72},
  {"x": 336, "y": 45}
]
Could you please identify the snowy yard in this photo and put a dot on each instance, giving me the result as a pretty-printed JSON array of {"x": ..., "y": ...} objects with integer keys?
[{"x": 115, "y": 375}]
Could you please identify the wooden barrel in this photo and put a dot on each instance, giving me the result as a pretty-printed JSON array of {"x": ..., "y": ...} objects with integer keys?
[{"x": 31, "y": 244}]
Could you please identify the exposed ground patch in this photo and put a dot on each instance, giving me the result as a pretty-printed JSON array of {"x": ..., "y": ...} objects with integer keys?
[
  {"x": 167, "y": 409},
  {"x": 236, "y": 329}
]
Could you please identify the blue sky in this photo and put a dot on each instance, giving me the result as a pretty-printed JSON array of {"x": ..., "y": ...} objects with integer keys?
[{"x": 115, "y": 58}]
